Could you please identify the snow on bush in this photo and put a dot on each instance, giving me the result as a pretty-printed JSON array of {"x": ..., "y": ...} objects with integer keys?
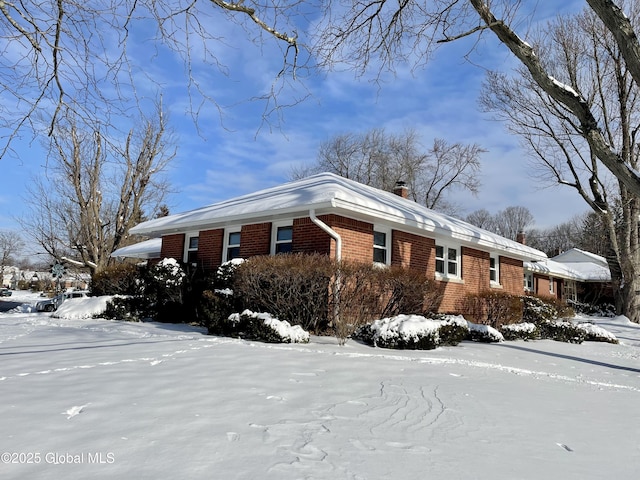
[
  {"x": 266, "y": 328},
  {"x": 484, "y": 333},
  {"x": 519, "y": 331},
  {"x": 594, "y": 333},
  {"x": 169, "y": 272},
  {"x": 414, "y": 332},
  {"x": 562, "y": 331}
]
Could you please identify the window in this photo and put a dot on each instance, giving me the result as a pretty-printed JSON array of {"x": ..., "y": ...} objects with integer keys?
[
  {"x": 494, "y": 270},
  {"x": 447, "y": 261},
  {"x": 380, "y": 248},
  {"x": 551, "y": 285},
  {"x": 528, "y": 282},
  {"x": 233, "y": 245},
  {"x": 283, "y": 240},
  {"x": 191, "y": 254},
  {"x": 570, "y": 290}
]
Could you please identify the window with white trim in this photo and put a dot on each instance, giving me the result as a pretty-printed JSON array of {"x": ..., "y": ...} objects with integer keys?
[
  {"x": 447, "y": 261},
  {"x": 281, "y": 239},
  {"x": 551, "y": 285},
  {"x": 528, "y": 282},
  {"x": 381, "y": 246},
  {"x": 494, "y": 269},
  {"x": 191, "y": 248},
  {"x": 232, "y": 244},
  {"x": 570, "y": 290}
]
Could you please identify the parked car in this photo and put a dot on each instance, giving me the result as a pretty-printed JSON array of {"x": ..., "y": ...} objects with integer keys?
[
  {"x": 54, "y": 303},
  {"x": 5, "y": 292}
]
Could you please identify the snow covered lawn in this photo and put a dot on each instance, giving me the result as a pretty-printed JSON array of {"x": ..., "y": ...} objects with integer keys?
[{"x": 83, "y": 398}]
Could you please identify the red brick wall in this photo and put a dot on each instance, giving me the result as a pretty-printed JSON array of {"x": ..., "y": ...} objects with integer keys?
[
  {"x": 310, "y": 238},
  {"x": 357, "y": 238},
  {"x": 511, "y": 276},
  {"x": 413, "y": 251},
  {"x": 255, "y": 239},
  {"x": 475, "y": 279},
  {"x": 173, "y": 246},
  {"x": 210, "y": 248}
]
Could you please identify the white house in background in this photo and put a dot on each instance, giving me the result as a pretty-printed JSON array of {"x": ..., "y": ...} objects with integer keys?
[{"x": 573, "y": 275}]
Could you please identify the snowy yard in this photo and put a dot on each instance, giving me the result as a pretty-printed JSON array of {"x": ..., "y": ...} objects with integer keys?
[{"x": 83, "y": 398}]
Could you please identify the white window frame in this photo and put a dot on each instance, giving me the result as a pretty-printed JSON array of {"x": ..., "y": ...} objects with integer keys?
[
  {"x": 570, "y": 290},
  {"x": 551, "y": 289},
  {"x": 496, "y": 268},
  {"x": 274, "y": 234},
  {"x": 187, "y": 245},
  {"x": 225, "y": 247},
  {"x": 528, "y": 276},
  {"x": 387, "y": 244},
  {"x": 446, "y": 258}
]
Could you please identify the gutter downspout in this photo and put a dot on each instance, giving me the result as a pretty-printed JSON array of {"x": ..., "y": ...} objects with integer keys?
[
  {"x": 337, "y": 287},
  {"x": 330, "y": 231}
]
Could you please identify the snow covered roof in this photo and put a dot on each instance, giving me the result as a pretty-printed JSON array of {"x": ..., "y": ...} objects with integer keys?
[
  {"x": 147, "y": 249},
  {"x": 574, "y": 264},
  {"x": 329, "y": 193},
  {"x": 591, "y": 267}
]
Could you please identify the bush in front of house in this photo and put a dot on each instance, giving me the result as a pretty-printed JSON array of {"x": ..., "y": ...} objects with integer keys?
[
  {"x": 118, "y": 279},
  {"x": 362, "y": 292},
  {"x": 519, "y": 331},
  {"x": 491, "y": 307},
  {"x": 133, "y": 308},
  {"x": 562, "y": 331},
  {"x": 594, "y": 333},
  {"x": 263, "y": 327},
  {"x": 291, "y": 287},
  {"x": 484, "y": 333},
  {"x": 414, "y": 332},
  {"x": 214, "y": 308},
  {"x": 598, "y": 310}
]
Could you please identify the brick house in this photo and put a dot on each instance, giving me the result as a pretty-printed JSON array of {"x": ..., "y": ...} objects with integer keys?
[{"x": 346, "y": 220}]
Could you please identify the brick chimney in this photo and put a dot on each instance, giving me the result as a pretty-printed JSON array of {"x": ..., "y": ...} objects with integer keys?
[
  {"x": 401, "y": 189},
  {"x": 521, "y": 237}
]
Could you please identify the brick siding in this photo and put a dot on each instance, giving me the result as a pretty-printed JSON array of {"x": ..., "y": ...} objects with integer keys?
[
  {"x": 255, "y": 239},
  {"x": 210, "y": 248},
  {"x": 413, "y": 251},
  {"x": 172, "y": 246}
]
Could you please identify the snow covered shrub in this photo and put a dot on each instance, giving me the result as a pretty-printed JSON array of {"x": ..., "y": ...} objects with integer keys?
[
  {"x": 519, "y": 331},
  {"x": 225, "y": 273},
  {"x": 413, "y": 332},
  {"x": 594, "y": 333},
  {"x": 491, "y": 307},
  {"x": 537, "y": 309},
  {"x": 265, "y": 328},
  {"x": 292, "y": 287},
  {"x": 214, "y": 308},
  {"x": 128, "y": 308},
  {"x": 599, "y": 310},
  {"x": 118, "y": 279},
  {"x": 365, "y": 292},
  {"x": 562, "y": 331},
  {"x": 163, "y": 287},
  {"x": 484, "y": 333}
]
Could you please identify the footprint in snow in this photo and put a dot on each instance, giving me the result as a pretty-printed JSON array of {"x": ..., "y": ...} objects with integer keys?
[
  {"x": 567, "y": 448},
  {"x": 73, "y": 411}
]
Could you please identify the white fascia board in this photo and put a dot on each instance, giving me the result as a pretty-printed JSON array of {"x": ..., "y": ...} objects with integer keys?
[
  {"x": 222, "y": 222},
  {"x": 508, "y": 248}
]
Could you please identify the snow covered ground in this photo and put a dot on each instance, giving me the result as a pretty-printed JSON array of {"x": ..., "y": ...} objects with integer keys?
[{"x": 83, "y": 398}]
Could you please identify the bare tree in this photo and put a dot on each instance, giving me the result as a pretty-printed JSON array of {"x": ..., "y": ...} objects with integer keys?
[
  {"x": 380, "y": 159},
  {"x": 70, "y": 54},
  {"x": 508, "y": 222},
  {"x": 96, "y": 191},
  {"x": 11, "y": 244},
  {"x": 583, "y": 54},
  {"x": 392, "y": 32}
]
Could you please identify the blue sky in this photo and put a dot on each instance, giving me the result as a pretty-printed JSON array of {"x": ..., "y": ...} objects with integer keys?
[{"x": 235, "y": 154}]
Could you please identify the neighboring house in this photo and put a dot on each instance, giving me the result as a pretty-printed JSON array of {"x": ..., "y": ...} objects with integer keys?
[
  {"x": 573, "y": 275},
  {"x": 346, "y": 220}
]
